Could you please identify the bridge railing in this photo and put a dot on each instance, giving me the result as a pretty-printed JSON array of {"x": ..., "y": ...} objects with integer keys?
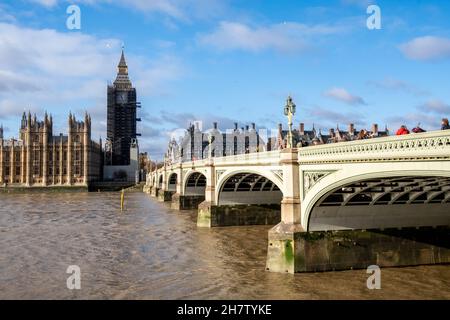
[
  {"x": 255, "y": 157},
  {"x": 266, "y": 157},
  {"x": 417, "y": 146}
]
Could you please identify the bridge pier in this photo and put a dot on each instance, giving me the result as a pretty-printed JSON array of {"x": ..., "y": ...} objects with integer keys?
[
  {"x": 292, "y": 250},
  {"x": 186, "y": 202},
  {"x": 147, "y": 189},
  {"x": 237, "y": 215},
  {"x": 164, "y": 195},
  {"x": 154, "y": 191}
]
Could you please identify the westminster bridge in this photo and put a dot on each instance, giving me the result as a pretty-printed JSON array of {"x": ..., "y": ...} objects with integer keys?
[{"x": 382, "y": 201}]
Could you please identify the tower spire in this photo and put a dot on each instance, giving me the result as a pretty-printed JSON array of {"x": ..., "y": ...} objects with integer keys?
[
  {"x": 122, "y": 80},
  {"x": 122, "y": 66}
]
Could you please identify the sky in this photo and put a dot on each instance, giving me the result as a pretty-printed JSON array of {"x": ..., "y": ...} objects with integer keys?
[{"x": 227, "y": 61}]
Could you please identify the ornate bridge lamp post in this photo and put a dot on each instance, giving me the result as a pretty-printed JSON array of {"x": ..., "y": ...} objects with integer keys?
[
  {"x": 289, "y": 111},
  {"x": 211, "y": 140}
]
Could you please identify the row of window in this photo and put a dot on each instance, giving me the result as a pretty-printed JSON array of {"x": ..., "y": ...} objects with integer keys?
[
  {"x": 38, "y": 155},
  {"x": 77, "y": 170}
]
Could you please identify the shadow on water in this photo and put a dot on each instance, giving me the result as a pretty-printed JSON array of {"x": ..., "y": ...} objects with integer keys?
[
  {"x": 435, "y": 236},
  {"x": 153, "y": 252}
]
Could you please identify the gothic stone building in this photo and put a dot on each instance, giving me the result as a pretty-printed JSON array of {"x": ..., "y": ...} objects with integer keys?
[
  {"x": 38, "y": 158},
  {"x": 195, "y": 143},
  {"x": 122, "y": 119},
  {"x": 302, "y": 137}
]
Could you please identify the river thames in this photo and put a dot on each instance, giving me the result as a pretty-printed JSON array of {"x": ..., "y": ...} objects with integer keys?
[{"x": 152, "y": 252}]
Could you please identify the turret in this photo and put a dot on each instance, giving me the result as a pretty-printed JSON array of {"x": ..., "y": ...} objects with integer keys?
[
  {"x": 70, "y": 121},
  {"x": 302, "y": 128},
  {"x": 23, "y": 123},
  {"x": 29, "y": 120},
  {"x": 351, "y": 129}
]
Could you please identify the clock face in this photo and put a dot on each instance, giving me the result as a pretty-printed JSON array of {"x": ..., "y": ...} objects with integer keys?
[{"x": 122, "y": 97}]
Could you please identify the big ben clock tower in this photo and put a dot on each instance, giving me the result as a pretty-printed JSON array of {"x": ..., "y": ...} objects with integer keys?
[{"x": 122, "y": 105}]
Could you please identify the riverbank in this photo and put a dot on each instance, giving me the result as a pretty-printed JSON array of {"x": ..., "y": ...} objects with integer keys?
[
  {"x": 149, "y": 251},
  {"x": 49, "y": 189}
]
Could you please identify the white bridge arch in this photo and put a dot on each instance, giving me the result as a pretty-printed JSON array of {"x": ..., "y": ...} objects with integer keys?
[{"x": 306, "y": 175}]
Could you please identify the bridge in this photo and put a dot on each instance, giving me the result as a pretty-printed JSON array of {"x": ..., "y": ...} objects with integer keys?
[{"x": 383, "y": 201}]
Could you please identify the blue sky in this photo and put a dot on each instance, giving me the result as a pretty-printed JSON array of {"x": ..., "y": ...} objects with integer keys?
[{"x": 228, "y": 61}]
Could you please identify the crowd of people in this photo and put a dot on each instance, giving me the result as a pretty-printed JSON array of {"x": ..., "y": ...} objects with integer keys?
[
  {"x": 404, "y": 130},
  {"x": 364, "y": 134}
]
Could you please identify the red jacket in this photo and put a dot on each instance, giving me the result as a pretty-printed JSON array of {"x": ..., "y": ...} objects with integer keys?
[{"x": 402, "y": 131}]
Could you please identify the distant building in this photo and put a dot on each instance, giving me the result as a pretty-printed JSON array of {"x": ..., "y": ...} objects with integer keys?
[
  {"x": 128, "y": 173},
  {"x": 145, "y": 165},
  {"x": 195, "y": 144},
  {"x": 122, "y": 147},
  {"x": 122, "y": 119},
  {"x": 38, "y": 158},
  {"x": 302, "y": 137}
]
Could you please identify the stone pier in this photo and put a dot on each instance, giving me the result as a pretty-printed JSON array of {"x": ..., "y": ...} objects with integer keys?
[
  {"x": 180, "y": 202},
  {"x": 292, "y": 250},
  {"x": 164, "y": 195},
  {"x": 237, "y": 215},
  {"x": 154, "y": 192}
]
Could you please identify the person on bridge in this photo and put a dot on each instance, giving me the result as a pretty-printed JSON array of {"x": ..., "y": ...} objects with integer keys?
[
  {"x": 418, "y": 129},
  {"x": 403, "y": 130},
  {"x": 363, "y": 134},
  {"x": 445, "y": 125}
]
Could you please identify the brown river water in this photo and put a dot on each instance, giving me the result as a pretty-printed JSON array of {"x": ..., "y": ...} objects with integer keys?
[{"x": 152, "y": 252}]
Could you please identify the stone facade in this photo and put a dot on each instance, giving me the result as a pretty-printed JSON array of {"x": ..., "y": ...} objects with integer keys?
[
  {"x": 302, "y": 137},
  {"x": 195, "y": 144},
  {"x": 40, "y": 159},
  {"x": 122, "y": 118}
]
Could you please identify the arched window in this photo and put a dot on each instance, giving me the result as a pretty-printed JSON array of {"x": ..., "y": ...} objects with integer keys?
[{"x": 247, "y": 144}]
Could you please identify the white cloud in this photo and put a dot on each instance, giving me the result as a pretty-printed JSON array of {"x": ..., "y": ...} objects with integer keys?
[
  {"x": 340, "y": 94},
  {"x": 427, "y": 48},
  {"x": 411, "y": 120},
  {"x": 5, "y": 16},
  {"x": 435, "y": 106},
  {"x": 54, "y": 53},
  {"x": 332, "y": 117},
  {"x": 359, "y": 3},
  {"x": 399, "y": 85},
  {"x": 284, "y": 37},
  {"x": 13, "y": 82},
  {"x": 69, "y": 71},
  {"x": 46, "y": 3},
  {"x": 176, "y": 9}
]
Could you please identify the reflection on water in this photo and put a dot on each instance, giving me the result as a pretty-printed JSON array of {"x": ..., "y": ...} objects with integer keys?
[{"x": 153, "y": 252}]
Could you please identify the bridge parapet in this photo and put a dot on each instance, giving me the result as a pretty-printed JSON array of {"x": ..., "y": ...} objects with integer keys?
[
  {"x": 420, "y": 146},
  {"x": 255, "y": 158}
]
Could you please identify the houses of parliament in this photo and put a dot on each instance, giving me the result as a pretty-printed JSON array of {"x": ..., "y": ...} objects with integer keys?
[{"x": 38, "y": 158}]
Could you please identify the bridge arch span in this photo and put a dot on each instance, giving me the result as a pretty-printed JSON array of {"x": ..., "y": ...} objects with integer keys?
[
  {"x": 248, "y": 187},
  {"x": 172, "y": 181},
  {"x": 194, "y": 183},
  {"x": 160, "y": 181},
  {"x": 379, "y": 196}
]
